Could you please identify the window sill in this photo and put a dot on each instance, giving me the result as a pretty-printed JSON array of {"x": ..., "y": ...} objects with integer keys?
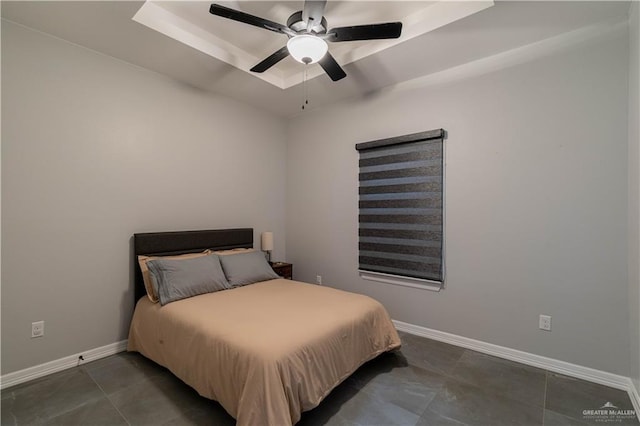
[{"x": 402, "y": 281}]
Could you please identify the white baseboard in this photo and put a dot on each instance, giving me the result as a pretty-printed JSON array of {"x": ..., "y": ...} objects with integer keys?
[
  {"x": 557, "y": 366},
  {"x": 562, "y": 367},
  {"x": 54, "y": 366}
]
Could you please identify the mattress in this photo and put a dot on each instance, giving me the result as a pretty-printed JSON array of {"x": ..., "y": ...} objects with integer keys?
[{"x": 267, "y": 351}]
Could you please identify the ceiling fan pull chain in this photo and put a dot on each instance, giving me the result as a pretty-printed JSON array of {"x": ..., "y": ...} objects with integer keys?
[{"x": 304, "y": 87}]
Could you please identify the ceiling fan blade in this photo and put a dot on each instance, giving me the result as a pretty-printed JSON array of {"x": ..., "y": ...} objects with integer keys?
[
  {"x": 331, "y": 67},
  {"x": 312, "y": 13},
  {"x": 366, "y": 32},
  {"x": 271, "y": 60},
  {"x": 236, "y": 15}
]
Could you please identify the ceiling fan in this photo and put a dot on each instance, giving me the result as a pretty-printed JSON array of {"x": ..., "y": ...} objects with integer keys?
[{"x": 308, "y": 35}]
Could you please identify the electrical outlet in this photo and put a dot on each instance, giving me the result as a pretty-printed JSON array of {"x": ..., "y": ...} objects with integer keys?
[
  {"x": 319, "y": 279},
  {"x": 545, "y": 322},
  {"x": 37, "y": 329}
]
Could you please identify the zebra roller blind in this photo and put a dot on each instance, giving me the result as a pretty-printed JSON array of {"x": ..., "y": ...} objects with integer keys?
[{"x": 401, "y": 205}]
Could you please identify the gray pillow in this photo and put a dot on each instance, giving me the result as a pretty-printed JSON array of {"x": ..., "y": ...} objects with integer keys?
[
  {"x": 181, "y": 278},
  {"x": 246, "y": 268}
]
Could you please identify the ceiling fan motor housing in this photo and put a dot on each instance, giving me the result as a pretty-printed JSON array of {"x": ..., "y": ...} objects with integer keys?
[{"x": 296, "y": 23}]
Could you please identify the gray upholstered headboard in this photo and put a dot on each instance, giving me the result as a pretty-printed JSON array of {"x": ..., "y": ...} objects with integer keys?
[{"x": 169, "y": 243}]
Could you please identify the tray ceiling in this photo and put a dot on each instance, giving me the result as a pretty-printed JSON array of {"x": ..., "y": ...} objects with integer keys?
[
  {"x": 107, "y": 27},
  {"x": 243, "y": 46}
]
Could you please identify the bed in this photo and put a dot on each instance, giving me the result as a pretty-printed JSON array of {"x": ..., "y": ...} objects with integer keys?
[{"x": 267, "y": 351}]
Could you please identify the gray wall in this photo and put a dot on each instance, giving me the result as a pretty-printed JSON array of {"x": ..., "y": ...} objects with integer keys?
[
  {"x": 94, "y": 150},
  {"x": 634, "y": 189},
  {"x": 536, "y": 202}
]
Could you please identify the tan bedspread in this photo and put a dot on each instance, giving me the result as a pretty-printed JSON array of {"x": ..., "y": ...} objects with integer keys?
[{"x": 267, "y": 351}]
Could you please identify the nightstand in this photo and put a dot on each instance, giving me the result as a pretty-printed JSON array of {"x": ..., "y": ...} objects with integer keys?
[{"x": 285, "y": 270}]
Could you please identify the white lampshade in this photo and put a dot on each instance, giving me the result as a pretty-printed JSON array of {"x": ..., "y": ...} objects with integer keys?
[
  {"x": 307, "y": 49},
  {"x": 266, "y": 241}
]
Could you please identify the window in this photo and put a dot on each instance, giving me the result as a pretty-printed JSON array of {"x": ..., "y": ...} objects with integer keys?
[{"x": 401, "y": 209}]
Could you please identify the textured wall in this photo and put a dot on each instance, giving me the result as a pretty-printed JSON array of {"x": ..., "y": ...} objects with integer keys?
[
  {"x": 94, "y": 150},
  {"x": 536, "y": 200}
]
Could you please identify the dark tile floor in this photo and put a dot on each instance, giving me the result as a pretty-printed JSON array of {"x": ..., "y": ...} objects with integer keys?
[{"x": 425, "y": 383}]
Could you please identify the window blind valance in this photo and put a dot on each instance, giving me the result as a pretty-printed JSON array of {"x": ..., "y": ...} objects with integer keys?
[{"x": 401, "y": 205}]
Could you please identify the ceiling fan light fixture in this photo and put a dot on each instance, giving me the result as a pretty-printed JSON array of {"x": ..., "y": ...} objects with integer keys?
[{"x": 306, "y": 48}]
